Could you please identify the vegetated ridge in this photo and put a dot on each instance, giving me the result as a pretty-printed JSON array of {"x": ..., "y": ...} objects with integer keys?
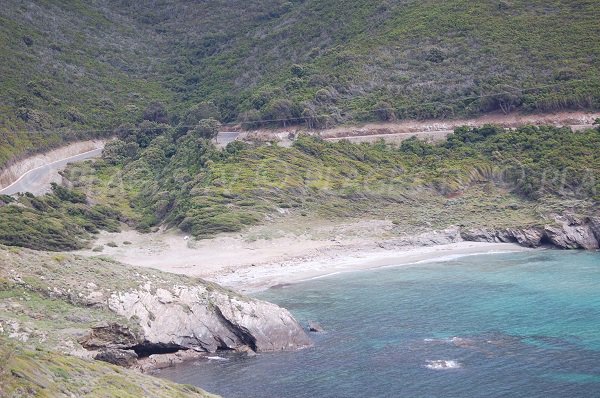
[{"x": 318, "y": 63}]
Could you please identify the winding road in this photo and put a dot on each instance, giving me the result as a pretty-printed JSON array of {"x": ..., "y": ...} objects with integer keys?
[{"x": 37, "y": 180}]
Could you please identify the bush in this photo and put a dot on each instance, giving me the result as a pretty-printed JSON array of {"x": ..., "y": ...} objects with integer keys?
[
  {"x": 435, "y": 55},
  {"x": 68, "y": 195},
  {"x": 384, "y": 111},
  {"x": 118, "y": 151},
  {"x": 28, "y": 41},
  {"x": 206, "y": 129},
  {"x": 201, "y": 111},
  {"x": 298, "y": 70},
  {"x": 156, "y": 112}
]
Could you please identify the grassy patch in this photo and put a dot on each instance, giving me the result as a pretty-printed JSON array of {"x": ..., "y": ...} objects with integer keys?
[{"x": 40, "y": 372}]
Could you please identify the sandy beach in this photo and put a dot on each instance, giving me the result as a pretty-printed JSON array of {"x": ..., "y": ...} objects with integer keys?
[{"x": 256, "y": 260}]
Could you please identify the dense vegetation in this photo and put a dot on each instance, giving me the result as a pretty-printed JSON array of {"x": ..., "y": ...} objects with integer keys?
[
  {"x": 180, "y": 179},
  {"x": 184, "y": 181},
  {"x": 315, "y": 62},
  {"x": 61, "y": 220}
]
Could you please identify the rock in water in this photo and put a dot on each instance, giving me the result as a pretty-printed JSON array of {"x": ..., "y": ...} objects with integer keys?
[{"x": 315, "y": 327}]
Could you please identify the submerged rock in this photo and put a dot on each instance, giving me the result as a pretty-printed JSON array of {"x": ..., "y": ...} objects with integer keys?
[{"x": 315, "y": 327}]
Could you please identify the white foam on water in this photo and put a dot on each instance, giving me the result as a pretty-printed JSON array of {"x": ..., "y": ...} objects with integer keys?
[
  {"x": 217, "y": 358},
  {"x": 326, "y": 275},
  {"x": 442, "y": 364}
]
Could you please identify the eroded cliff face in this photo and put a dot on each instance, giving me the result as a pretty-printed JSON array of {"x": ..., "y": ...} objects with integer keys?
[{"x": 562, "y": 231}]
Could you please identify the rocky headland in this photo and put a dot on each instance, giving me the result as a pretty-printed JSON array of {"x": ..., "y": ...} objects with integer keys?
[{"x": 98, "y": 308}]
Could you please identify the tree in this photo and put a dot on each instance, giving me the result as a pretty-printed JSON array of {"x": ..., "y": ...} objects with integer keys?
[
  {"x": 280, "y": 110},
  {"x": 309, "y": 115},
  {"x": 197, "y": 113},
  {"x": 117, "y": 151},
  {"x": 250, "y": 119},
  {"x": 156, "y": 112},
  {"x": 147, "y": 131},
  {"x": 207, "y": 128}
]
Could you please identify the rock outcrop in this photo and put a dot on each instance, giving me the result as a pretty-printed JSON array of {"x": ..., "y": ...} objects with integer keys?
[
  {"x": 571, "y": 232},
  {"x": 315, "y": 327},
  {"x": 106, "y": 335},
  {"x": 117, "y": 311},
  {"x": 202, "y": 318},
  {"x": 125, "y": 358},
  {"x": 564, "y": 231}
]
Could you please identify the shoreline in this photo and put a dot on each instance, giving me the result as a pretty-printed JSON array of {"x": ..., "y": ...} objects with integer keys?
[
  {"x": 253, "y": 265},
  {"x": 255, "y": 279}
]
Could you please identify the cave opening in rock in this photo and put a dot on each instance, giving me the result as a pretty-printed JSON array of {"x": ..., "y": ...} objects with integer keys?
[{"x": 546, "y": 242}]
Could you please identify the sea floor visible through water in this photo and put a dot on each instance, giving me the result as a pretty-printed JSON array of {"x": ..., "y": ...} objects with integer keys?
[{"x": 496, "y": 325}]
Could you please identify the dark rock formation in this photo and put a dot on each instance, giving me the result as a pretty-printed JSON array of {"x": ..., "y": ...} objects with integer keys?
[
  {"x": 125, "y": 358},
  {"x": 110, "y": 336},
  {"x": 315, "y": 327}
]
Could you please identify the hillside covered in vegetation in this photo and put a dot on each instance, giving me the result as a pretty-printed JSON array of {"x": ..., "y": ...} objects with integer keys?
[
  {"x": 478, "y": 177},
  {"x": 82, "y": 68}
]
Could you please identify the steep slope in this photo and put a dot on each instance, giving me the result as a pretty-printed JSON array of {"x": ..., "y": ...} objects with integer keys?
[
  {"x": 69, "y": 65},
  {"x": 43, "y": 373},
  {"x": 87, "y": 65},
  {"x": 354, "y": 56}
]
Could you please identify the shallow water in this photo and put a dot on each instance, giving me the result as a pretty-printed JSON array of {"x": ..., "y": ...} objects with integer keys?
[{"x": 502, "y": 325}]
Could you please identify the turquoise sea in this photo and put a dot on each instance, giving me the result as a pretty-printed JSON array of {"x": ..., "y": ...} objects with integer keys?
[{"x": 497, "y": 325}]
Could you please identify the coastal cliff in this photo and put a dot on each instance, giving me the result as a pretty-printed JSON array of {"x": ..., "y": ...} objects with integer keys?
[{"x": 97, "y": 308}]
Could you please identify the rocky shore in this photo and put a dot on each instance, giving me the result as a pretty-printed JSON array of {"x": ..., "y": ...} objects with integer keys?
[
  {"x": 97, "y": 308},
  {"x": 143, "y": 318},
  {"x": 566, "y": 231}
]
